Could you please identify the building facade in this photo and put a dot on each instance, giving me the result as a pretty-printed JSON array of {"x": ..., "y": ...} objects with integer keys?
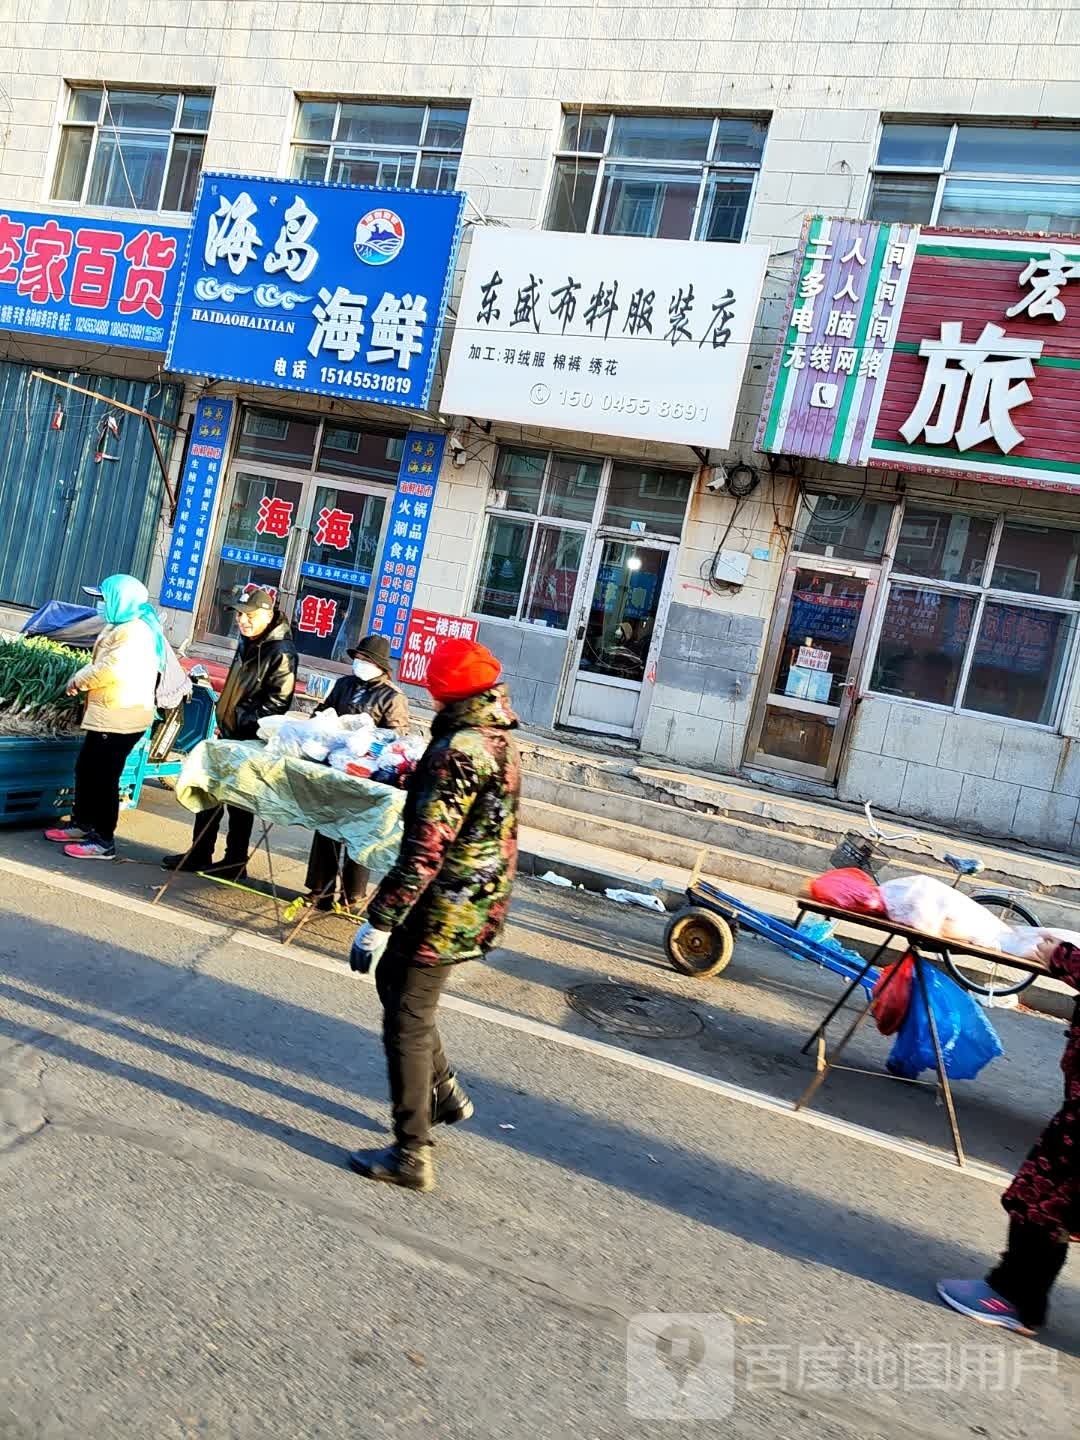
[{"x": 635, "y": 583}]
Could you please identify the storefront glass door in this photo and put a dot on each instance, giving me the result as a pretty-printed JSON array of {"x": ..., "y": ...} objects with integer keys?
[
  {"x": 811, "y": 668},
  {"x": 312, "y": 544},
  {"x": 617, "y": 635}
]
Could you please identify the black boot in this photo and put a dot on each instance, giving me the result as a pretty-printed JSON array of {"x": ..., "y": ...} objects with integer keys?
[
  {"x": 450, "y": 1103},
  {"x": 395, "y": 1165},
  {"x": 188, "y": 863},
  {"x": 227, "y": 869}
]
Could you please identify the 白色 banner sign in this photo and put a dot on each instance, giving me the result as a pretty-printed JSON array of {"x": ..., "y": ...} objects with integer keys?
[{"x": 615, "y": 335}]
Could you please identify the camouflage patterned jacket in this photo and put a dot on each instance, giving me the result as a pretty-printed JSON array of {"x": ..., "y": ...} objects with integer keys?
[{"x": 449, "y": 890}]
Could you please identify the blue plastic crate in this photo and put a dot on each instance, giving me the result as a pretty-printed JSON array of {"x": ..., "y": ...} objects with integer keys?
[{"x": 36, "y": 777}]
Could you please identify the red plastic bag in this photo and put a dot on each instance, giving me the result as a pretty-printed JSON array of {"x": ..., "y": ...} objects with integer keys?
[
  {"x": 891, "y": 1009},
  {"x": 849, "y": 889}
]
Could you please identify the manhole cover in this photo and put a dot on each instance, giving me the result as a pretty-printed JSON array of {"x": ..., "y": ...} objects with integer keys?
[{"x": 630, "y": 1011}]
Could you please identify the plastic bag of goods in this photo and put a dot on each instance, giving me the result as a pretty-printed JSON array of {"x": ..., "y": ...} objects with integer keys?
[
  {"x": 968, "y": 1040},
  {"x": 892, "y": 995},
  {"x": 288, "y": 739},
  {"x": 1024, "y": 940},
  {"x": 269, "y": 725},
  {"x": 937, "y": 909},
  {"x": 848, "y": 889}
]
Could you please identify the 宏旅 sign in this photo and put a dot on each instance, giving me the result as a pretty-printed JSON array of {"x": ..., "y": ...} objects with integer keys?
[
  {"x": 934, "y": 350},
  {"x": 105, "y": 281},
  {"x": 327, "y": 289}
]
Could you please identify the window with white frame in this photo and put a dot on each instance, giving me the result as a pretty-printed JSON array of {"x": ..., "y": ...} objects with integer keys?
[
  {"x": 360, "y": 142},
  {"x": 975, "y": 173},
  {"x": 537, "y": 541},
  {"x": 981, "y": 614},
  {"x": 675, "y": 177},
  {"x": 132, "y": 149}
]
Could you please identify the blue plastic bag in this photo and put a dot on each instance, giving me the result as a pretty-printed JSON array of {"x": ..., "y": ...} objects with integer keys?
[{"x": 968, "y": 1040}]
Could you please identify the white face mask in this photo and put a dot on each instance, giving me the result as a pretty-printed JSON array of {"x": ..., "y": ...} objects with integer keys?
[{"x": 365, "y": 670}]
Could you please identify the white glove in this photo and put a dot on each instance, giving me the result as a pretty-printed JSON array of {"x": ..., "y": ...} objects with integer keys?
[{"x": 367, "y": 948}]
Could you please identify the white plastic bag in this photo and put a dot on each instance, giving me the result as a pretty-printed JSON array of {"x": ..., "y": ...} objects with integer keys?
[
  {"x": 633, "y": 897},
  {"x": 937, "y": 909},
  {"x": 1023, "y": 940}
]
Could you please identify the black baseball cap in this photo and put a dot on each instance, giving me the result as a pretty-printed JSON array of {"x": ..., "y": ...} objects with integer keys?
[{"x": 253, "y": 600}]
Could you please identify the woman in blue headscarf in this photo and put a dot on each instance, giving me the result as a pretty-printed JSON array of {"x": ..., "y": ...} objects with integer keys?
[{"x": 119, "y": 684}]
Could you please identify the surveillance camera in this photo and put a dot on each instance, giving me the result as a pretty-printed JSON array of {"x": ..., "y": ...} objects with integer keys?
[
  {"x": 717, "y": 481},
  {"x": 456, "y": 443}
]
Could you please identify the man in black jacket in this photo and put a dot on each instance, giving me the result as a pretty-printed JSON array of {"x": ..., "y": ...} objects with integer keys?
[
  {"x": 367, "y": 691},
  {"x": 260, "y": 682}
]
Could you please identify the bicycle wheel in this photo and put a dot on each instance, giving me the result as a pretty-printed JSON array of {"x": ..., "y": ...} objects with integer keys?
[{"x": 1000, "y": 978}]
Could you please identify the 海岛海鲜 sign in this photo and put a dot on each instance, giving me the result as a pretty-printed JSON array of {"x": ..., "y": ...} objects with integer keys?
[{"x": 328, "y": 289}]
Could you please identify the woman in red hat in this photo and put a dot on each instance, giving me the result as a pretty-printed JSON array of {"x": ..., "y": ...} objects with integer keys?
[{"x": 444, "y": 901}]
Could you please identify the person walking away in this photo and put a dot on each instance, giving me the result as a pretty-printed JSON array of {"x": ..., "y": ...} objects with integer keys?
[
  {"x": 444, "y": 901},
  {"x": 367, "y": 691},
  {"x": 260, "y": 682},
  {"x": 119, "y": 684},
  {"x": 1043, "y": 1201}
]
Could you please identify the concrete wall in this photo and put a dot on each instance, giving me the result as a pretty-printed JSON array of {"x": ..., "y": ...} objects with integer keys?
[
  {"x": 532, "y": 662},
  {"x": 978, "y": 774}
]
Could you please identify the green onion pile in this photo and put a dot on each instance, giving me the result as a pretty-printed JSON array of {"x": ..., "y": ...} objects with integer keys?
[{"x": 34, "y": 673}]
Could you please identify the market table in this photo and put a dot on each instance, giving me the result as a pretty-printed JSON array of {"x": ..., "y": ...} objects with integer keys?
[
  {"x": 924, "y": 949},
  {"x": 289, "y": 790}
]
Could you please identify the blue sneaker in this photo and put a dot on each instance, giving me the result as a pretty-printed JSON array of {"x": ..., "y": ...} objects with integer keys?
[{"x": 976, "y": 1299}]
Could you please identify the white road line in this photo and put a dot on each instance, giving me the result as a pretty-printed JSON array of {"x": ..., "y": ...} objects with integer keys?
[{"x": 678, "y": 1074}]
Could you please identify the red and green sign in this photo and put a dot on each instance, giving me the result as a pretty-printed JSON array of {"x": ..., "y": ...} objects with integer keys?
[{"x": 978, "y": 370}]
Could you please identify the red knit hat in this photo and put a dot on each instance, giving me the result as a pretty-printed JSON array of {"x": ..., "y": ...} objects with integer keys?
[{"x": 460, "y": 668}]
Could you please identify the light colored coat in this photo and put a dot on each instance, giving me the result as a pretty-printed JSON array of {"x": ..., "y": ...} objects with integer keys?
[{"x": 120, "y": 680}]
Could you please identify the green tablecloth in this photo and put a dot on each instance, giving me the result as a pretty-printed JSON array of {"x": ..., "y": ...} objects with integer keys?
[{"x": 367, "y": 817}]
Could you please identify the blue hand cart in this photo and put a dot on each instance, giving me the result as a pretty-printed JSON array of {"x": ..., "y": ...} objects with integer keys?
[{"x": 700, "y": 938}]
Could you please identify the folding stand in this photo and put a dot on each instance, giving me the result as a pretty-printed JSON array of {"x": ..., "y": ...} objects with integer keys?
[
  {"x": 262, "y": 842},
  {"x": 827, "y": 1062}
]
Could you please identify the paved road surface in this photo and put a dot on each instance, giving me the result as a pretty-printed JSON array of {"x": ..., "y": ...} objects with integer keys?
[{"x": 184, "y": 1254}]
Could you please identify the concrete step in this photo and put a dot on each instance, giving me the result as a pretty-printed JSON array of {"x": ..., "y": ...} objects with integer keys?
[
  {"x": 660, "y": 849},
  {"x": 755, "y": 840}
]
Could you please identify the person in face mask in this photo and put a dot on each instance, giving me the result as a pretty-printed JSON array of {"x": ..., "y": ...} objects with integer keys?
[{"x": 367, "y": 691}]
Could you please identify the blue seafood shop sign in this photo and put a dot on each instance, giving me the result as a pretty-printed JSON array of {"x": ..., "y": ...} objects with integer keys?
[{"x": 330, "y": 289}]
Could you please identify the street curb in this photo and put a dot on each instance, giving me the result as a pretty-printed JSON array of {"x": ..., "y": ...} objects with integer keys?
[{"x": 1057, "y": 1004}]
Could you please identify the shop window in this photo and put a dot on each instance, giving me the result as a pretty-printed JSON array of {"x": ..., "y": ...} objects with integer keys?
[
  {"x": 1009, "y": 177},
  {"x": 132, "y": 149},
  {"x": 843, "y": 527},
  {"x": 943, "y": 545},
  {"x": 675, "y": 177},
  {"x": 647, "y": 501},
  {"x": 530, "y": 566},
  {"x": 357, "y": 142},
  {"x": 280, "y": 439},
  {"x": 967, "y": 643},
  {"x": 363, "y": 454}
]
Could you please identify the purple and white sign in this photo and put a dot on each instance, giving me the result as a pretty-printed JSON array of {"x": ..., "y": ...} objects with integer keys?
[{"x": 828, "y": 374}]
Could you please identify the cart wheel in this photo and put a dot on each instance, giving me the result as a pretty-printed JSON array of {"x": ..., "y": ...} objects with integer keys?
[{"x": 699, "y": 943}]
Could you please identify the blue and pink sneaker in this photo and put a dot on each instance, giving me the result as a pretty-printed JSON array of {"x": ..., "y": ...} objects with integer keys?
[
  {"x": 65, "y": 834},
  {"x": 976, "y": 1299},
  {"x": 91, "y": 848}
]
